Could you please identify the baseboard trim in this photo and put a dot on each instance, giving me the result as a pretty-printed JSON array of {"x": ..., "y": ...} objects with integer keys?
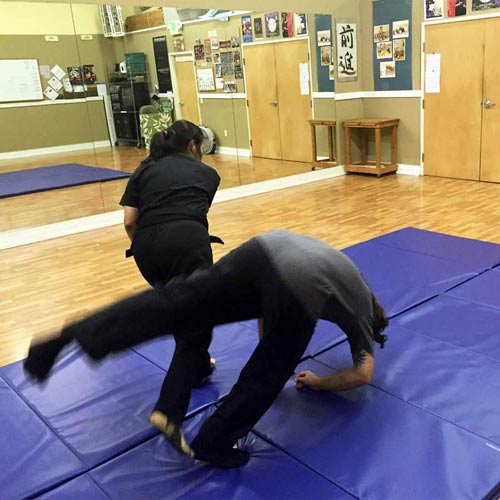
[
  {"x": 54, "y": 149},
  {"x": 410, "y": 170},
  {"x": 19, "y": 237},
  {"x": 222, "y": 150}
]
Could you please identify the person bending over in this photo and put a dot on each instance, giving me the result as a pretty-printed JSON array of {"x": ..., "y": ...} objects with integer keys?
[
  {"x": 288, "y": 280},
  {"x": 166, "y": 202}
]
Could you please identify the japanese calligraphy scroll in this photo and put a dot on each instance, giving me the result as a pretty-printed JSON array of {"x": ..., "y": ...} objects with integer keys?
[{"x": 347, "y": 52}]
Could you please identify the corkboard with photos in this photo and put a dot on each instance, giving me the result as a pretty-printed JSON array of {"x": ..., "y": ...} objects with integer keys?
[{"x": 220, "y": 58}]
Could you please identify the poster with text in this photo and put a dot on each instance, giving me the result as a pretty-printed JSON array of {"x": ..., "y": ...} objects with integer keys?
[
  {"x": 272, "y": 24},
  {"x": 347, "y": 52},
  {"x": 287, "y": 24},
  {"x": 300, "y": 24},
  {"x": 257, "y": 28}
]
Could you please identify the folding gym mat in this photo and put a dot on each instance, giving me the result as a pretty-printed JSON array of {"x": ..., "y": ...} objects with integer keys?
[
  {"x": 81, "y": 488},
  {"x": 458, "y": 322},
  {"x": 155, "y": 470},
  {"x": 98, "y": 410},
  {"x": 482, "y": 253},
  {"x": 457, "y": 385},
  {"x": 374, "y": 445},
  {"x": 484, "y": 289},
  {"x": 410, "y": 266},
  {"x": 34, "y": 180},
  {"x": 33, "y": 458}
]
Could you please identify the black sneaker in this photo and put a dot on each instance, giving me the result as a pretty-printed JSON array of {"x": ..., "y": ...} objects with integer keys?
[
  {"x": 171, "y": 431},
  {"x": 225, "y": 459}
]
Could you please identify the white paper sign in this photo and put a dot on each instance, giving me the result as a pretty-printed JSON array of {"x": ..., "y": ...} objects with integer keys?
[
  {"x": 45, "y": 70},
  {"x": 304, "y": 78},
  {"x": 51, "y": 93},
  {"x": 219, "y": 83},
  {"x": 67, "y": 85},
  {"x": 55, "y": 83},
  {"x": 57, "y": 72},
  {"x": 433, "y": 73}
]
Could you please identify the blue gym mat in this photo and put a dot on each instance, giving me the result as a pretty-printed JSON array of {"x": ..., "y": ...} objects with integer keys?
[
  {"x": 81, "y": 488},
  {"x": 426, "y": 428},
  {"x": 413, "y": 366},
  {"x": 484, "y": 289},
  {"x": 154, "y": 470},
  {"x": 373, "y": 445},
  {"x": 32, "y": 459},
  {"x": 34, "y": 180},
  {"x": 457, "y": 322},
  {"x": 98, "y": 410}
]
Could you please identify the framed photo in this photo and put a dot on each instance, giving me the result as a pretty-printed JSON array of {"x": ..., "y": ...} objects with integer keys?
[
  {"x": 199, "y": 52},
  {"x": 246, "y": 29},
  {"x": 300, "y": 23},
  {"x": 381, "y": 33},
  {"x": 399, "y": 49},
  {"x": 205, "y": 79},
  {"x": 179, "y": 44},
  {"x": 230, "y": 87},
  {"x": 400, "y": 29},
  {"x": 388, "y": 69},
  {"x": 257, "y": 28},
  {"x": 434, "y": 9},
  {"x": 384, "y": 50},
  {"x": 324, "y": 38},
  {"x": 287, "y": 24},
  {"x": 272, "y": 24},
  {"x": 326, "y": 56}
]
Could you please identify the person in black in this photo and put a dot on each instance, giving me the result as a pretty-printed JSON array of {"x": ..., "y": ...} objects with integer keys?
[
  {"x": 166, "y": 202},
  {"x": 287, "y": 279}
]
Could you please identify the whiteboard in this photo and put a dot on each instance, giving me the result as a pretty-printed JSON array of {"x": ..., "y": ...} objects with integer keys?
[{"x": 20, "y": 80}]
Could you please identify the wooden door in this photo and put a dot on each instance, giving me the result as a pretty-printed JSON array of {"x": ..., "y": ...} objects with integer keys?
[
  {"x": 490, "y": 152},
  {"x": 452, "y": 117},
  {"x": 262, "y": 98},
  {"x": 294, "y": 108},
  {"x": 188, "y": 100}
]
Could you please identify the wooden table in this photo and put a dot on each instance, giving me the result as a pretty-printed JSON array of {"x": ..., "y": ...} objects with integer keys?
[
  {"x": 364, "y": 166},
  {"x": 330, "y": 161}
]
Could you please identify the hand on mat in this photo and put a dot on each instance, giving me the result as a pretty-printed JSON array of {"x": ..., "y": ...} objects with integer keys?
[{"x": 307, "y": 379}]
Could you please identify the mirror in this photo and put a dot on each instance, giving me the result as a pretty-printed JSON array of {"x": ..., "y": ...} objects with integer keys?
[{"x": 252, "y": 79}]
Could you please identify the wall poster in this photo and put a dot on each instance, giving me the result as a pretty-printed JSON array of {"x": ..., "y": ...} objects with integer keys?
[{"x": 347, "y": 54}]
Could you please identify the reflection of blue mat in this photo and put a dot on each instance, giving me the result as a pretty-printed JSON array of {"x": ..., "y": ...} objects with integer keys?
[{"x": 35, "y": 180}]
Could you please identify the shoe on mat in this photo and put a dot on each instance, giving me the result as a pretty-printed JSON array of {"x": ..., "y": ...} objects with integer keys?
[{"x": 171, "y": 431}]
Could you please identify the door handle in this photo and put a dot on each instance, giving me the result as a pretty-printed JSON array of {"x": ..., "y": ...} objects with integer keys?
[
  {"x": 274, "y": 103},
  {"x": 488, "y": 104},
  {"x": 181, "y": 103}
]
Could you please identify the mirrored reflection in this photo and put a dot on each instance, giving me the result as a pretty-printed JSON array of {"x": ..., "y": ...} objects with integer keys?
[{"x": 251, "y": 80}]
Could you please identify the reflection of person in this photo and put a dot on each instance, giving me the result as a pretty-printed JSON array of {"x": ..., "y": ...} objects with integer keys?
[
  {"x": 166, "y": 202},
  {"x": 288, "y": 280}
]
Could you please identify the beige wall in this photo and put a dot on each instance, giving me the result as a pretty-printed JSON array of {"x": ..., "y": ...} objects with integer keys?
[{"x": 33, "y": 127}]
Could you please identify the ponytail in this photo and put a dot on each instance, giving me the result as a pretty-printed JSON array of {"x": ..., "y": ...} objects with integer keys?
[
  {"x": 175, "y": 139},
  {"x": 379, "y": 322}
]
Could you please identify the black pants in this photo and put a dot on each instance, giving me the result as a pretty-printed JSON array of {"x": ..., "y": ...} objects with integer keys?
[
  {"x": 162, "y": 252},
  {"x": 242, "y": 285}
]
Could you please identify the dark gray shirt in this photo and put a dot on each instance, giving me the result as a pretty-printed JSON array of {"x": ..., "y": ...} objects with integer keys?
[{"x": 326, "y": 283}]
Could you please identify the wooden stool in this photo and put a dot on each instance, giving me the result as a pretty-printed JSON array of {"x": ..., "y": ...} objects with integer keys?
[
  {"x": 369, "y": 167},
  {"x": 330, "y": 161}
]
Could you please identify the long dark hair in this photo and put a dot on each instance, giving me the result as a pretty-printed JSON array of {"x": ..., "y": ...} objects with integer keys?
[
  {"x": 379, "y": 322},
  {"x": 175, "y": 139}
]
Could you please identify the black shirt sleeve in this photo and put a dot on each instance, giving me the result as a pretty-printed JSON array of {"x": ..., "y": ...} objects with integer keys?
[{"x": 131, "y": 197}]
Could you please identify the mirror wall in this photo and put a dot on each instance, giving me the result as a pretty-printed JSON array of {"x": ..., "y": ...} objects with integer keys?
[{"x": 238, "y": 75}]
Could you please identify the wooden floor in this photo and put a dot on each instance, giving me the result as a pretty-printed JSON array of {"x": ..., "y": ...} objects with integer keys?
[
  {"x": 92, "y": 199},
  {"x": 45, "y": 283}
]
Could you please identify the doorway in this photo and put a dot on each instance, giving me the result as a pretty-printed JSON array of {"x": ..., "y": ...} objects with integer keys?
[
  {"x": 187, "y": 100},
  {"x": 462, "y": 119},
  {"x": 279, "y": 110}
]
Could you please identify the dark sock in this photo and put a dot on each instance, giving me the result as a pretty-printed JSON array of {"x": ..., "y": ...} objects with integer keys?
[
  {"x": 227, "y": 459},
  {"x": 42, "y": 356}
]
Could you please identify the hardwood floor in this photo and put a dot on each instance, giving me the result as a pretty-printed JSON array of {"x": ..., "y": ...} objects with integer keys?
[
  {"x": 91, "y": 199},
  {"x": 45, "y": 283}
]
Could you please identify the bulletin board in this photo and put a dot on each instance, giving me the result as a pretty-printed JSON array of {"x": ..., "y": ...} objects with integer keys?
[
  {"x": 392, "y": 62},
  {"x": 20, "y": 80},
  {"x": 325, "y": 72}
]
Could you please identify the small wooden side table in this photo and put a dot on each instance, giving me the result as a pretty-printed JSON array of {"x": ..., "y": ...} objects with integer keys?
[
  {"x": 331, "y": 160},
  {"x": 369, "y": 167}
]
